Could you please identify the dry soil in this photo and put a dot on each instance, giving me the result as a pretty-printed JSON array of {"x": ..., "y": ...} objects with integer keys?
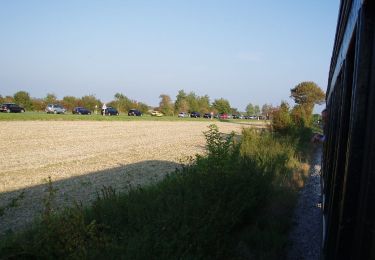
[{"x": 82, "y": 157}]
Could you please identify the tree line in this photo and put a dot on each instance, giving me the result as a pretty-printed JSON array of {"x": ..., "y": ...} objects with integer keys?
[
  {"x": 304, "y": 95},
  {"x": 184, "y": 102}
]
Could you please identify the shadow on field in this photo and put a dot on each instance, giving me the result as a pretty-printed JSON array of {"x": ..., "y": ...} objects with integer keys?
[{"x": 20, "y": 207}]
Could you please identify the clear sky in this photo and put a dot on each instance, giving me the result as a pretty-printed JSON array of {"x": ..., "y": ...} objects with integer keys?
[{"x": 245, "y": 51}]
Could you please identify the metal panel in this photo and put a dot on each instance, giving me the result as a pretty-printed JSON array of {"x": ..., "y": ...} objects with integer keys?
[{"x": 344, "y": 43}]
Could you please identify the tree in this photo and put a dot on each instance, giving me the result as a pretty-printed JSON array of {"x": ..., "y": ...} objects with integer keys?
[
  {"x": 143, "y": 107},
  {"x": 256, "y": 110},
  {"x": 69, "y": 102},
  {"x": 123, "y": 103},
  {"x": 193, "y": 102},
  {"x": 181, "y": 104},
  {"x": 267, "y": 110},
  {"x": 90, "y": 101},
  {"x": 203, "y": 104},
  {"x": 50, "y": 98},
  {"x": 306, "y": 94},
  {"x": 38, "y": 104},
  {"x": 281, "y": 121},
  {"x": 166, "y": 105},
  {"x": 250, "y": 110},
  {"x": 23, "y": 99},
  {"x": 222, "y": 106}
]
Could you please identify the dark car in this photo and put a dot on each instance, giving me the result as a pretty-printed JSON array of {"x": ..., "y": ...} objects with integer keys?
[
  {"x": 81, "y": 111},
  {"x": 195, "y": 114},
  {"x": 134, "y": 112},
  {"x": 110, "y": 111},
  {"x": 11, "y": 107},
  {"x": 207, "y": 115}
]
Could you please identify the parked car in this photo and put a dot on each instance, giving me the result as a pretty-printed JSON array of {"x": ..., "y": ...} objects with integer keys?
[
  {"x": 11, "y": 107},
  {"x": 111, "y": 111},
  {"x": 55, "y": 109},
  {"x": 223, "y": 116},
  {"x": 134, "y": 112},
  {"x": 182, "y": 114},
  {"x": 195, "y": 114},
  {"x": 81, "y": 111},
  {"x": 156, "y": 113},
  {"x": 207, "y": 115}
]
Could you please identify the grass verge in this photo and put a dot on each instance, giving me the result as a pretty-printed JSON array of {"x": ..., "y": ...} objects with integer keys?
[{"x": 233, "y": 203}]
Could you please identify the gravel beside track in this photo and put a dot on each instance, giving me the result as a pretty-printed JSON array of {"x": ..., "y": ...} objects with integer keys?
[
  {"x": 83, "y": 156},
  {"x": 306, "y": 235}
]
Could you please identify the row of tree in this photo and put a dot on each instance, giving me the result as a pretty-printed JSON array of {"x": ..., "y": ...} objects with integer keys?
[
  {"x": 183, "y": 103},
  {"x": 305, "y": 95}
]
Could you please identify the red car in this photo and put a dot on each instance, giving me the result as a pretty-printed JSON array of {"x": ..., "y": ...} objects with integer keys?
[{"x": 223, "y": 116}]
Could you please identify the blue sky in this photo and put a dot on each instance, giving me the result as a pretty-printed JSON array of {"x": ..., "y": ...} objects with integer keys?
[{"x": 245, "y": 51}]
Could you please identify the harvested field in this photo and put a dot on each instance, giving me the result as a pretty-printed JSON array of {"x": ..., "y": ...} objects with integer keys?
[{"x": 83, "y": 156}]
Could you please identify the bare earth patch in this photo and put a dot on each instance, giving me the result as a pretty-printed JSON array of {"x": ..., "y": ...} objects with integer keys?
[{"x": 83, "y": 156}]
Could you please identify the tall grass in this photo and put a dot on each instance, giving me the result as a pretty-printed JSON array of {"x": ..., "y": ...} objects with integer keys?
[{"x": 234, "y": 202}]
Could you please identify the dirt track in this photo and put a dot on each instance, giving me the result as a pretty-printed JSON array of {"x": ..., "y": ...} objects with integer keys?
[{"x": 83, "y": 156}]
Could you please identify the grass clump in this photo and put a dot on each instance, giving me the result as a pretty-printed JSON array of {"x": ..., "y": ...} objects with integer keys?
[{"x": 232, "y": 203}]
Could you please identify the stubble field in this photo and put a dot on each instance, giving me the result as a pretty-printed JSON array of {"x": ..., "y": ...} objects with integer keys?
[{"x": 83, "y": 156}]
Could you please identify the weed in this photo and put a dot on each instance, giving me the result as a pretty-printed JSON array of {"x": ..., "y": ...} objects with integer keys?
[{"x": 14, "y": 202}]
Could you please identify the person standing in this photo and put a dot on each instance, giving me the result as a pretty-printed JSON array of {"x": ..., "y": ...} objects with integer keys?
[{"x": 104, "y": 108}]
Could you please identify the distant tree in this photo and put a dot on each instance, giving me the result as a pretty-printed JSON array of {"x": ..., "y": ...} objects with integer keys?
[
  {"x": 181, "y": 104},
  {"x": 234, "y": 111},
  {"x": 8, "y": 99},
  {"x": 307, "y": 94},
  {"x": 1, "y": 99},
  {"x": 123, "y": 103},
  {"x": 204, "y": 104},
  {"x": 70, "y": 102},
  {"x": 250, "y": 111},
  {"x": 50, "y": 98},
  {"x": 166, "y": 105},
  {"x": 266, "y": 109},
  {"x": 256, "y": 110},
  {"x": 193, "y": 102},
  {"x": 38, "y": 104},
  {"x": 23, "y": 98},
  {"x": 222, "y": 105},
  {"x": 90, "y": 101},
  {"x": 143, "y": 107}
]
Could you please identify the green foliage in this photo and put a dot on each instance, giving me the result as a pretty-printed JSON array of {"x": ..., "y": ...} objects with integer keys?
[
  {"x": 166, "y": 105},
  {"x": 307, "y": 94},
  {"x": 50, "y": 98},
  {"x": 69, "y": 102},
  {"x": 281, "y": 120},
  {"x": 90, "y": 101},
  {"x": 23, "y": 99},
  {"x": 300, "y": 117},
  {"x": 250, "y": 109},
  {"x": 181, "y": 104},
  {"x": 222, "y": 105},
  {"x": 38, "y": 104},
  {"x": 192, "y": 100}
]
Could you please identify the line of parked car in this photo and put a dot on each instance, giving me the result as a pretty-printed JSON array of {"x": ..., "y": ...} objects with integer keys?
[
  {"x": 111, "y": 111},
  {"x": 58, "y": 109},
  {"x": 219, "y": 116}
]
